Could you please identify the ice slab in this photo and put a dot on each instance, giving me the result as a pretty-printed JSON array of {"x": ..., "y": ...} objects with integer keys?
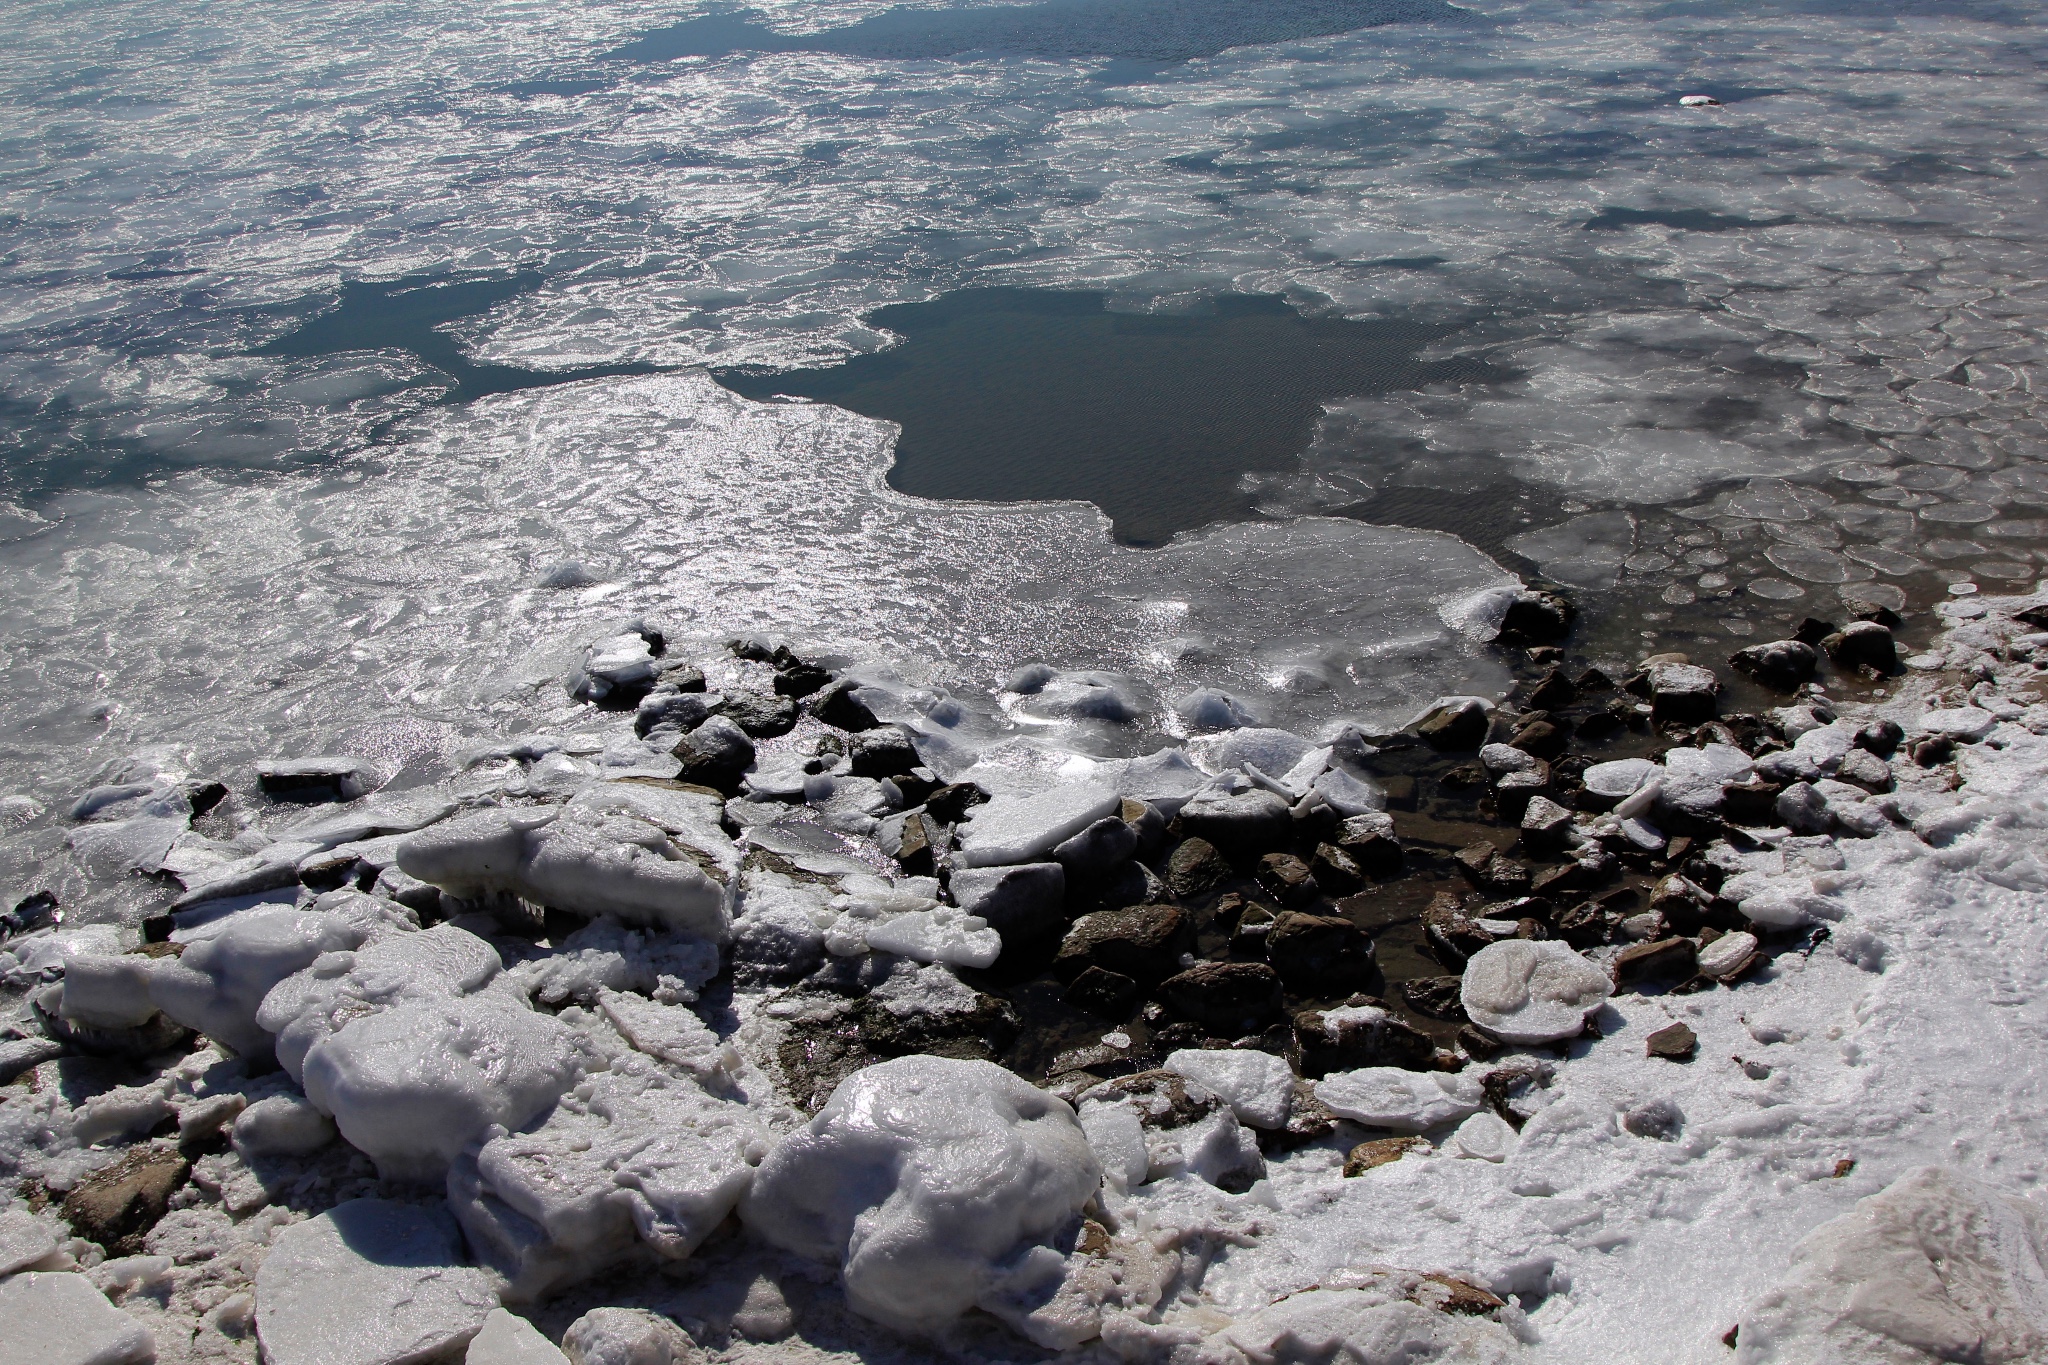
[
  {"x": 59, "y": 1318},
  {"x": 508, "y": 1339},
  {"x": 1526, "y": 991},
  {"x": 1258, "y": 1087},
  {"x": 1026, "y": 829},
  {"x": 1406, "y": 1101}
]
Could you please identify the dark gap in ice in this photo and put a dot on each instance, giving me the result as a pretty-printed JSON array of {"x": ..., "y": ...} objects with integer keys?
[
  {"x": 1015, "y": 395},
  {"x": 408, "y": 315},
  {"x": 1687, "y": 220},
  {"x": 1129, "y": 31}
]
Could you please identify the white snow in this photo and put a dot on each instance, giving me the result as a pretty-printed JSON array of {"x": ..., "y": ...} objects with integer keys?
[
  {"x": 369, "y": 1282},
  {"x": 929, "y": 1182}
]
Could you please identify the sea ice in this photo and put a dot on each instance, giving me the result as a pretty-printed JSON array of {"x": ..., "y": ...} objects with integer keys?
[
  {"x": 1406, "y": 1101},
  {"x": 1258, "y": 1087},
  {"x": 59, "y": 1318},
  {"x": 1025, "y": 829},
  {"x": 1529, "y": 991}
]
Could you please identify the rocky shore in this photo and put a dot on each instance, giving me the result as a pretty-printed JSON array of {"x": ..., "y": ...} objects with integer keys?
[{"x": 778, "y": 1006}]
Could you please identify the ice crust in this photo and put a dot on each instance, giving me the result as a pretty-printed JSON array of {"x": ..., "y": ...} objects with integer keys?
[{"x": 931, "y": 1183}]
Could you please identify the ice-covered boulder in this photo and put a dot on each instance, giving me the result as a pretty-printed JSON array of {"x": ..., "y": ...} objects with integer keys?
[
  {"x": 110, "y": 992},
  {"x": 1346, "y": 1326},
  {"x": 1405, "y": 1101},
  {"x": 1258, "y": 1087},
  {"x": 626, "y": 1336},
  {"x": 218, "y": 984},
  {"x": 1182, "y": 1128},
  {"x": 591, "y": 859},
  {"x": 933, "y": 1183},
  {"x": 59, "y": 1318},
  {"x": 1027, "y": 900},
  {"x": 281, "y": 1125},
  {"x": 1935, "y": 1267},
  {"x": 1026, "y": 829},
  {"x": 1206, "y": 708},
  {"x": 606, "y": 955},
  {"x": 410, "y": 1086},
  {"x": 1532, "y": 991},
  {"x": 441, "y": 963},
  {"x": 369, "y": 1282},
  {"x": 633, "y": 1158}
]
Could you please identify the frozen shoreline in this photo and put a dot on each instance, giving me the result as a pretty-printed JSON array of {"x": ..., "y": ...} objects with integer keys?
[{"x": 1894, "y": 1040}]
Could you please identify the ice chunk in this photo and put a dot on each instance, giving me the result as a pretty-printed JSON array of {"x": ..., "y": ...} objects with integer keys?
[
  {"x": 1326, "y": 1326},
  {"x": 1406, "y": 1101},
  {"x": 1085, "y": 696},
  {"x": 108, "y": 992},
  {"x": 1205, "y": 708},
  {"x": 1966, "y": 723},
  {"x": 1935, "y": 1267},
  {"x": 1486, "y": 1135},
  {"x": 1530, "y": 991},
  {"x": 1270, "y": 751},
  {"x": 631, "y": 1158},
  {"x": 218, "y": 984},
  {"x": 24, "y": 1240},
  {"x": 1619, "y": 778},
  {"x": 508, "y": 1339},
  {"x": 1026, "y": 829},
  {"x": 1118, "y": 1138},
  {"x": 1165, "y": 779},
  {"x": 588, "y": 859},
  {"x": 410, "y": 1086},
  {"x": 920, "y": 1178},
  {"x": 282, "y": 1125},
  {"x": 607, "y": 955},
  {"x": 60, "y": 1319},
  {"x": 942, "y": 934},
  {"x": 1258, "y": 1087},
  {"x": 440, "y": 963},
  {"x": 1349, "y": 794},
  {"x": 369, "y": 1282}
]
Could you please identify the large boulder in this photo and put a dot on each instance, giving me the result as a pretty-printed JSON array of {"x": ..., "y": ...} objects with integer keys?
[{"x": 933, "y": 1184}]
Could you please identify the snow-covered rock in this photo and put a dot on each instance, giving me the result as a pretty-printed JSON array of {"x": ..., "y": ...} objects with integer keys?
[
  {"x": 281, "y": 1125},
  {"x": 1405, "y": 1101},
  {"x": 1258, "y": 1087},
  {"x": 1332, "y": 1326},
  {"x": 1485, "y": 1135},
  {"x": 218, "y": 984},
  {"x": 108, "y": 992},
  {"x": 1937, "y": 1267},
  {"x": 369, "y": 1282},
  {"x": 410, "y": 1086},
  {"x": 1026, "y": 829},
  {"x": 1531, "y": 991},
  {"x": 626, "y": 1336},
  {"x": 931, "y": 1182},
  {"x": 59, "y": 1318}
]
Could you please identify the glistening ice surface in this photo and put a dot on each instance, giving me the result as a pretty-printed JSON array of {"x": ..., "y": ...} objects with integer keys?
[{"x": 1780, "y": 348}]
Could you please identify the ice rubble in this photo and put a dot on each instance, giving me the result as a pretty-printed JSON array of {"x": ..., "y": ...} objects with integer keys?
[{"x": 935, "y": 1185}]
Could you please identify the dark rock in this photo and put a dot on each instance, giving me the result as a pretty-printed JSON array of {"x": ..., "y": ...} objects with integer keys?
[
  {"x": 1865, "y": 610},
  {"x": 2037, "y": 617},
  {"x": 1880, "y": 737},
  {"x": 1315, "y": 819},
  {"x": 839, "y": 705},
  {"x": 951, "y": 803},
  {"x": 1451, "y": 932},
  {"x": 1682, "y": 693},
  {"x": 1104, "y": 845},
  {"x": 1543, "y": 738},
  {"x": 1240, "y": 824},
  {"x": 1803, "y": 810},
  {"x": 117, "y": 1205},
  {"x": 752, "y": 648},
  {"x": 1933, "y": 751},
  {"x": 1661, "y": 959},
  {"x": 1553, "y": 692},
  {"x": 1536, "y": 617},
  {"x": 1149, "y": 824},
  {"x": 676, "y": 710},
  {"x": 1752, "y": 801},
  {"x": 800, "y": 678},
  {"x": 916, "y": 786},
  {"x": 1566, "y": 878},
  {"x": 1248, "y": 933},
  {"x": 1675, "y": 1042},
  {"x": 715, "y": 755},
  {"x": 1335, "y": 871},
  {"x": 1593, "y": 680},
  {"x": 884, "y": 751},
  {"x": 1780, "y": 664},
  {"x": 1865, "y": 644},
  {"x": 1866, "y": 770},
  {"x": 1491, "y": 870},
  {"x": 1141, "y": 941},
  {"x": 1319, "y": 953},
  {"x": 1360, "y": 1032},
  {"x": 1100, "y": 992},
  {"x": 1228, "y": 998},
  {"x": 1023, "y": 903},
  {"x": 1456, "y": 727},
  {"x": 314, "y": 779},
  {"x": 1477, "y": 1045},
  {"x": 1287, "y": 879},
  {"x": 1544, "y": 826},
  {"x": 36, "y": 910},
  {"x": 1369, "y": 841},
  {"x": 1813, "y": 630},
  {"x": 1583, "y": 925},
  {"x": 1195, "y": 867},
  {"x": 760, "y": 715},
  {"x": 917, "y": 850},
  {"x": 1435, "y": 996},
  {"x": 1368, "y": 1156}
]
